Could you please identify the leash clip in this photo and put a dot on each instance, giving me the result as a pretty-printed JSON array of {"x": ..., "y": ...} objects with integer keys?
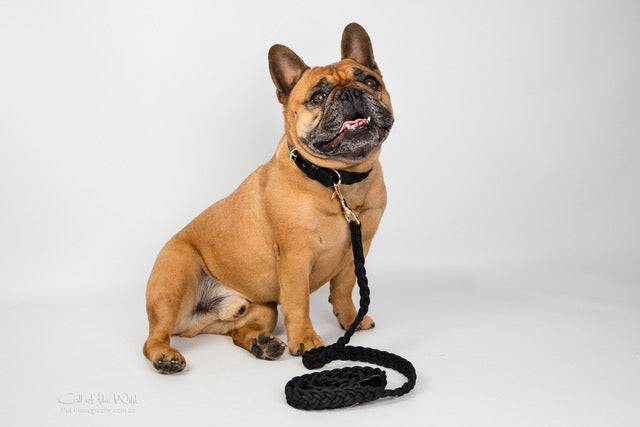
[{"x": 349, "y": 214}]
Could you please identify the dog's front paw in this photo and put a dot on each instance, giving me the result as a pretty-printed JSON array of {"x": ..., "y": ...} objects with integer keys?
[
  {"x": 346, "y": 321},
  {"x": 304, "y": 342},
  {"x": 168, "y": 361}
]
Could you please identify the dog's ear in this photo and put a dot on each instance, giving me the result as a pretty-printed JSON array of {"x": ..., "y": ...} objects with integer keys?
[
  {"x": 356, "y": 45},
  {"x": 286, "y": 68}
]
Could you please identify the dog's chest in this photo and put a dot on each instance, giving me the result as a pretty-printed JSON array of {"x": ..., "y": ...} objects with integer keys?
[{"x": 332, "y": 247}]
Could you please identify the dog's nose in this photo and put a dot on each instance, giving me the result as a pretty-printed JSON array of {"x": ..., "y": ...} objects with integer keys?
[{"x": 350, "y": 94}]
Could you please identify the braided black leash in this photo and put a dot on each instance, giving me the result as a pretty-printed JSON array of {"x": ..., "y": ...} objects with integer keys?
[{"x": 338, "y": 388}]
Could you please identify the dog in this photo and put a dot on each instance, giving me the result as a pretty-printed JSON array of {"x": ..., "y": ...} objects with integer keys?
[{"x": 281, "y": 235}]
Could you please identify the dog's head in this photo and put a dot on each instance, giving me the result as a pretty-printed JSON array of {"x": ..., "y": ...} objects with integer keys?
[{"x": 339, "y": 114}]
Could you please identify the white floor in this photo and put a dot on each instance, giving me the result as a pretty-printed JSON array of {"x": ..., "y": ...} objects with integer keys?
[{"x": 497, "y": 352}]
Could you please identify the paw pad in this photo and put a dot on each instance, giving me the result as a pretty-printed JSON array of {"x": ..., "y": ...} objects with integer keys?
[{"x": 267, "y": 347}]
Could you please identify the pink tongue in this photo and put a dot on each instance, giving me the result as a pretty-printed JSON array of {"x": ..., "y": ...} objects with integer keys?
[{"x": 352, "y": 123}]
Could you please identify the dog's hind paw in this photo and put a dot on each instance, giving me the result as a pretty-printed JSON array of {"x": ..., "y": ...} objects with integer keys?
[{"x": 267, "y": 347}]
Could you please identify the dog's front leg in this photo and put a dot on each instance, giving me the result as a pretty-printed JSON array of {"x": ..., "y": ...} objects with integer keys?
[
  {"x": 293, "y": 275},
  {"x": 340, "y": 297},
  {"x": 340, "y": 294}
]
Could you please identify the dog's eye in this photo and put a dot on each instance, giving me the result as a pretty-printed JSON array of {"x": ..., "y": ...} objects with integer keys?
[
  {"x": 371, "y": 82},
  {"x": 318, "y": 98}
]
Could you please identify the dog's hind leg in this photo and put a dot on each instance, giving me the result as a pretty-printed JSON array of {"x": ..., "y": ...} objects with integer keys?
[
  {"x": 253, "y": 332},
  {"x": 170, "y": 296}
]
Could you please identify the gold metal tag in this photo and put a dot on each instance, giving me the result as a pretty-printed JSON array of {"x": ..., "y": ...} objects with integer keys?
[{"x": 349, "y": 214}]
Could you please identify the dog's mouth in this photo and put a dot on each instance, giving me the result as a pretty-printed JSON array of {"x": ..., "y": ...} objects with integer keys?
[{"x": 348, "y": 129}]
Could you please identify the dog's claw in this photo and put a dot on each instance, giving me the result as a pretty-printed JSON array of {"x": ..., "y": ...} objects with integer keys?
[{"x": 171, "y": 366}]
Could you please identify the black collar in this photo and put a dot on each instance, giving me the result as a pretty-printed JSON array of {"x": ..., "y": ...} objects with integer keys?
[{"x": 325, "y": 176}]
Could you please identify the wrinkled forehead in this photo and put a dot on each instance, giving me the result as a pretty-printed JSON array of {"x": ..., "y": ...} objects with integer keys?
[{"x": 336, "y": 74}]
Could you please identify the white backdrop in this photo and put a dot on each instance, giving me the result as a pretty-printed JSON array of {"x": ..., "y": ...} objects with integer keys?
[
  {"x": 515, "y": 146},
  {"x": 507, "y": 266}
]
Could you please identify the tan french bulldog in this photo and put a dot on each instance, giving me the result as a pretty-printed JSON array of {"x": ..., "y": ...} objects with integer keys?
[{"x": 281, "y": 235}]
